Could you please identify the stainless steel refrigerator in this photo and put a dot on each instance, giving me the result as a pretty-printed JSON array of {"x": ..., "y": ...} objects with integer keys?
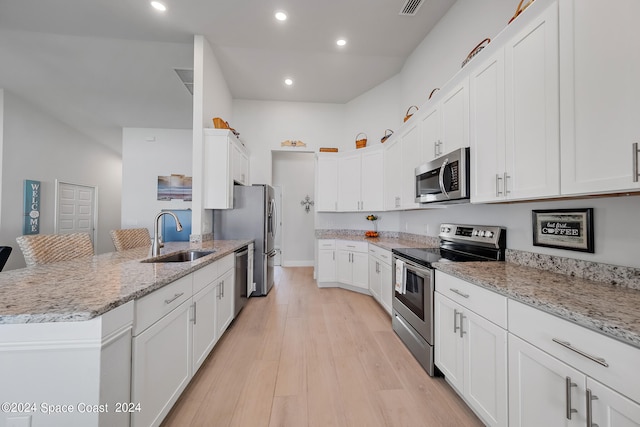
[{"x": 254, "y": 217}]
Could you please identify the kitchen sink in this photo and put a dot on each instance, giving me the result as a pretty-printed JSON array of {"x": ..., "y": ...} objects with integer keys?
[{"x": 182, "y": 256}]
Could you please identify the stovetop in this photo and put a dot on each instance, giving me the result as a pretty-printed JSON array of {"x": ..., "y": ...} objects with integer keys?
[
  {"x": 460, "y": 243},
  {"x": 427, "y": 256}
]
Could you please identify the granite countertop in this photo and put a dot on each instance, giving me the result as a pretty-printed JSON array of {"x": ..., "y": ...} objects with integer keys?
[
  {"x": 383, "y": 241},
  {"x": 608, "y": 309},
  {"x": 85, "y": 288}
]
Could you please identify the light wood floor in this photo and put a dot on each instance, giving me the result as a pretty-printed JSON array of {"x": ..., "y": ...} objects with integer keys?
[{"x": 304, "y": 356}]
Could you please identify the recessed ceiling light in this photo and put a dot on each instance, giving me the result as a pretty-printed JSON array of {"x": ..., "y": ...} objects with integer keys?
[
  {"x": 341, "y": 42},
  {"x": 288, "y": 82},
  {"x": 281, "y": 16},
  {"x": 158, "y": 6}
]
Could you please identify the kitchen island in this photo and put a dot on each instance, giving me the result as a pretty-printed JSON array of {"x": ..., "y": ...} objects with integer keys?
[{"x": 73, "y": 334}]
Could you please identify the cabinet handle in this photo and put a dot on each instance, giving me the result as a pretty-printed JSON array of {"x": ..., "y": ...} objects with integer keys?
[
  {"x": 455, "y": 321},
  {"x": 568, "y": 345},
  {"x": 590, "y": 398},
  {"x": 455, "y": 291},
  {"x": 462, "y": 331},
  {"x": 175, "y": 297},
  {"x": 334, "y": 255},
  {"x": 222, "y": 296},
  {"x": 435, "y": 149},
  {"x": 635, "y": 161},
  {"x": 498, "y": 179},
  {"x": 194, "y": 313},
  {"x": 219, "y": 290},
  {"x": 506, "y": 191},
  {"x": 568, "y": 386}
]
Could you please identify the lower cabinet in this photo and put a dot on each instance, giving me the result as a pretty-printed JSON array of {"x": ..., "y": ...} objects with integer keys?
[
  {"x": 561, "y": 374},
  {"x": 161, "y": 366},
  {"x": 225, "y": 299},
  {"x": 471, "y": 345},
  {"x": 380, "y": 278},
  {"x": 175, "y": 329},
  {"x": 326, "y": 271},
  {"x": 353, "y": 263}
]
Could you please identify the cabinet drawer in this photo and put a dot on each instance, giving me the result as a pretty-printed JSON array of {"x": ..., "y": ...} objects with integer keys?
[
  {"x": 381, "y": 254},
  {"x": 226, "y": 263},
  {"x": 326, "y": 244},
  {"x": 486, "y": 303},
  {"x": 540, "y": 329},
  {"x": 151, "y": 308},
  {"x": 204, "y": 276},
  {"x": 352, "y": 245}
]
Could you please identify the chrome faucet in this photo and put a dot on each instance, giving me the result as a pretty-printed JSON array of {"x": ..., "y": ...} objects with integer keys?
[{"x": 157, "y": 243}]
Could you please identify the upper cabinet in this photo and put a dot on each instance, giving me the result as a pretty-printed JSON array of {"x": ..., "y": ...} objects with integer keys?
[
  {"x": 515, "y": 115},
  {"x": 600, "y": 96},
  {"x": 445, "y": 126},
  {"x": 350, "y": 182},
  {"x": 326, "y": 182},
  {"x": 392, "y": 174},
  {"x": 226, "y": 160}
]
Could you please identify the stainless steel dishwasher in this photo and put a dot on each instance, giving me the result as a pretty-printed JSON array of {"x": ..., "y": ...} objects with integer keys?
[{"x": 242, "y": 264}]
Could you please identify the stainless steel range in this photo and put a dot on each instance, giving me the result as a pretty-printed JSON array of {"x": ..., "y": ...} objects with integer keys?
[{"x": 414, "y": 280}]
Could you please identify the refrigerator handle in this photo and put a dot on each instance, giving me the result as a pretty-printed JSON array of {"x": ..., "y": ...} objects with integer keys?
[{"x": 273, "y": 218}]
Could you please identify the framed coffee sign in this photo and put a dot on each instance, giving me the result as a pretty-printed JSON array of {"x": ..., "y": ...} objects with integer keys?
[{"x": 570, "y": 229}]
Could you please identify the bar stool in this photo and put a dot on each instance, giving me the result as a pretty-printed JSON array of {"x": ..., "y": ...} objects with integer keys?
[
  {"x": 130, "y": 238},
  {"x": 5, "y": 251},
  {"x": 48, "y": 248}
]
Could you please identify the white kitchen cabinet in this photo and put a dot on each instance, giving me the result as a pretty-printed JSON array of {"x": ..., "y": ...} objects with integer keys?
[
  {"x": 487, "y": 129},
  {"x": 161, "y": 365},
  {"x": 515, "y": 116},
  {"x": 204, "y": 334},
  {"x": 380, "y": 278},
  {"x": 600, "y": 95},
  {"x": 545, "y": 350},
  {"x": 470, "y": 349},
  {"x": 326, "y": 182},
  {"x": 411, "y": 159},
  {"x": 360, "y": 180},
  {"x": 392, "y": 174},
  {"x": 225, "y": 299},
  {"x": 445, "y": 126},
  {"x": 542, "y": 389},
  {"x": 240, "y": 163},
  {"x": 353, "y": 263},
  {"x": 326, "y": 261},
  {"x": 611, "y": 409},
  {"x": 372, "y": 180},
  {"x": 221, "y": 148},
  {"x": 349, "y": 182},
  {"x": 532, "y": 110}
]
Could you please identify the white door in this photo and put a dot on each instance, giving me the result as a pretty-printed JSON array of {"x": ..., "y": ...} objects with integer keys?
[{"x": 75, "y": 209}]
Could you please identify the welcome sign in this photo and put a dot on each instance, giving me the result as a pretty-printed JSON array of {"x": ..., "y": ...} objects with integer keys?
[{"x": 31, "y": 223}]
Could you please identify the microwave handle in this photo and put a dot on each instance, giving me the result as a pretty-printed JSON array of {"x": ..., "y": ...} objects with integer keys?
[{"x": 441, "y": 178}]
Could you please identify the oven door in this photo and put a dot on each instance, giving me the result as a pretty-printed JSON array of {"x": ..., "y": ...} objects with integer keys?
[{"x": 416, "y": 304}]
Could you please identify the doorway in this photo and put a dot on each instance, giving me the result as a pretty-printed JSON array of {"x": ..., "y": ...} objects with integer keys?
[
  {"x": 294, "y": 173},
  {"x": 75, "y": 210}
]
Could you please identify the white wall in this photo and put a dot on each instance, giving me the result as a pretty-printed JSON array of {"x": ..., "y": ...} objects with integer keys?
[
  {"x": 373, "y": 112},
  {"x": 39, "y": 147},
  {"x": 294, "y": 174},
  {"x": 263, "y": 125},
  {"x": 439, "y": 56},
  {"x": 142, "y": 162},
  {"x": 1, "y": 147},
  {"x": 211, "y": 98}
]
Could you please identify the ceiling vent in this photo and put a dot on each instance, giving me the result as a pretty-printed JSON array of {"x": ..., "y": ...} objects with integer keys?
[
  {"x": 187, "y": 78},
  {"x": 410, "y": 7}
]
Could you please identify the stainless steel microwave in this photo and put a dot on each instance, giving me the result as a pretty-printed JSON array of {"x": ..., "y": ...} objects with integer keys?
[{"x": 444, "y": 179}]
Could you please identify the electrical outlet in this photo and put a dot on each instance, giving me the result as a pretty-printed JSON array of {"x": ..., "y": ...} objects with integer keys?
[
  {"x": 253, "y": 287},
  {"x": 24, "y": 421}
]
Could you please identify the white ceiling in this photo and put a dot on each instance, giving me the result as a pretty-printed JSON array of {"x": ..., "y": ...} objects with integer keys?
[{"x": 101, "y": 65}]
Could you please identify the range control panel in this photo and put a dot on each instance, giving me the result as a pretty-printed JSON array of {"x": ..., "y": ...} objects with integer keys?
[{"x": 482, "y": 234}]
